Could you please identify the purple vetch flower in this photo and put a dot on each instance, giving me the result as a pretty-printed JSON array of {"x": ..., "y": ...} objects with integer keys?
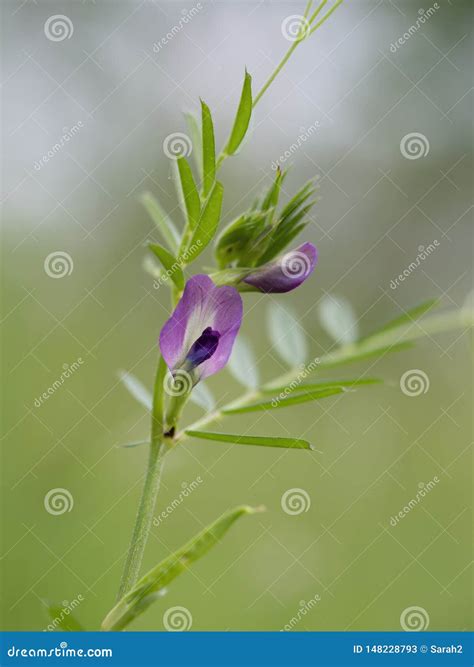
[
  {"x": 286, "y": 272},
  {"x": 197, "y": 339}
]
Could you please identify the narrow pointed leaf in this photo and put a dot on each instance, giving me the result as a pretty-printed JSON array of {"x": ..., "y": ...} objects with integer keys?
[
  {"x": 138, "y": 390},
  {"x": 170, "y": 263},
  {"x": 242, "y": 118},
  {"x": 286, "y": 401},
  {"x": 196, "y": 138},
  {"x": 208, "y": 223},
  {"x": 407, "y": 318},
  {"x": 338, "y": 319},
  {"x": 298, "y": 387},
  {"x": 163, "y": 223},
  {"x": 242, "y": 364},
  {"x": 265, "y": 441},
  {"x": 201, "y": 395},
  {"x": 145, "y": 592},
  {"x": 190, "y": 195},
  {"x": 135, "y": 443},
  {"x": 273, "y": 194},
  {"x": 286, "y": 335},
  {"x": 208, "y": 149},
  {"x": 360, "y": 353}
]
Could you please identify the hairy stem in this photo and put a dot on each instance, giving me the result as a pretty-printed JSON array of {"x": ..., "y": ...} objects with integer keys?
[{"x": 158, "y": 447}]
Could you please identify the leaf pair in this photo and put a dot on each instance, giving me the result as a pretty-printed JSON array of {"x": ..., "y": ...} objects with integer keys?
[{"x": 212, "y": 190}]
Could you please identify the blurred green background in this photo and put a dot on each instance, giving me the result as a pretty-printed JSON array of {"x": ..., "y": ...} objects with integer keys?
[{"x": 376, "y": 208}]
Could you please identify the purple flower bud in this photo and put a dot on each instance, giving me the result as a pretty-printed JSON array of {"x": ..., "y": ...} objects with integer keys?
[
  {"x": 286, "y": 272},
  {"x": 200, "y": 333}
]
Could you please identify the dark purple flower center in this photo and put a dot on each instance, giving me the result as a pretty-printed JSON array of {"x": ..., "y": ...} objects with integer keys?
[{"x": 203, "y": 348}]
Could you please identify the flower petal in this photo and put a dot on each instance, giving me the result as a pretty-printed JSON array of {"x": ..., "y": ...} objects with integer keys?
[
  {"x": 202, "y": 305},
  {"x": 287, "y": 272}
]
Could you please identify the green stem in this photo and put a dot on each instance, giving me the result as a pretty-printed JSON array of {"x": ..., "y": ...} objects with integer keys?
[
  {"x": 326, "y": 16},
  {"x": 292, "y": 48},
  {"x": 158, "y": 447},
  {"x": 223, "y": 155},
  {"x": 277, "y": 71}
]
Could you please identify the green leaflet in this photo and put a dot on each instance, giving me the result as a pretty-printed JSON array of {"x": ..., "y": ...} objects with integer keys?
[
  {"x": 196, "y": 139},
  {"x": 208, "y": 150},
  {"x": 285, "y": 401},
  {"x": 208, "y": 223},
  {"x": 135, "y": 443},
  {"x": 294, "y": 386},
  {"x": 242, "y": 117},
  {"x": 161, "y": 220},
  {"x": 192, "y": 202},
  {"x": 265, "y": 441},
  {"x": 242, "y": 363},
  {"x": 338, "y": 319},
  {"x": 148, "y": 587},
  {"x": 273, "y": 195},
  {"x": 136, "y": 389},
  {"x": 170, "y": 263},
  {"x": 286, "y": 334},
  {"x": 359, "y": 353},
  {"x": 407, "y": 318}
]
